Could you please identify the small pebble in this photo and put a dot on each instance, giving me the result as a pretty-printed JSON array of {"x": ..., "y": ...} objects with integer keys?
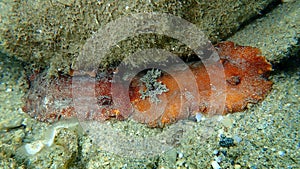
[
  {"x": 225, "y": 141},
  {"x": 227, "y": 122},
  {"x": 180, "y": 155},
  {"x": 215, "y": 152},
  {"x": 215, "y": 165},
  {"x": 218, "y": 159},
  {"x": 281, "y": 153},
  {"x": 237, "y": 166},
  {"x": 198, "y": 117},
  {"x": 237, "y": 139}
]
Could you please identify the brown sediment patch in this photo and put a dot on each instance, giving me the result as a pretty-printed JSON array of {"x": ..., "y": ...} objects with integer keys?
[{"x": 246, "y": 73}]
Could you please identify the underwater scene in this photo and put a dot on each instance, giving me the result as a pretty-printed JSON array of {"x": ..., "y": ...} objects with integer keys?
[{"x": 134, "y": 84}]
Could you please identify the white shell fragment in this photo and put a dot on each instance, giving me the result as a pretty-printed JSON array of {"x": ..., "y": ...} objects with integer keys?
[
  {"x": 35, "y": 147},
  {"x": 215, "y": 165}
]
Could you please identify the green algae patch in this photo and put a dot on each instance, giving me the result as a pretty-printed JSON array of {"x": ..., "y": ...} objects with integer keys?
[{"x": 50, "y": 34}]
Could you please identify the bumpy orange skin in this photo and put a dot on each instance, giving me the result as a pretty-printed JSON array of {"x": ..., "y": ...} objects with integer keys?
[
  {"x": 246, "y": 73},
  {"x": 252, "y": 69}
]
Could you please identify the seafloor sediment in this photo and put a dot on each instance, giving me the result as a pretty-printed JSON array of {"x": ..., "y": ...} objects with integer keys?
[{"x": 265, "y": 135}]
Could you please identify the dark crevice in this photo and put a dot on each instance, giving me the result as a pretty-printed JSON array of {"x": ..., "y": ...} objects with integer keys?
[
  {"x": 262, "y": 13},
  {"x": 290, "y": 63}
]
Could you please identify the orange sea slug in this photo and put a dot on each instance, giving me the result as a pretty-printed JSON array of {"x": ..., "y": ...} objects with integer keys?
[{"x": 246, "y": 73}]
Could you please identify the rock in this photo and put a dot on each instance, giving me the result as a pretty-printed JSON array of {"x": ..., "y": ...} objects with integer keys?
[
  {"x": 277, "y": 34},
  {"x": 60, "y": 154},
  {"x": 11, "y": 123},
  {"x": 52, "y": 33}
]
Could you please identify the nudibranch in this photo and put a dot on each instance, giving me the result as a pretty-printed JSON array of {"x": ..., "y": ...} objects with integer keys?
[{"x": 246, "y": 75}]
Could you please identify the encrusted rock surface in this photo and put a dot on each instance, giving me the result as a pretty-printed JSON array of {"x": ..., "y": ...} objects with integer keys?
[
  {"x": 277, "y": 34},
  {"x": 51, "y": 33}
]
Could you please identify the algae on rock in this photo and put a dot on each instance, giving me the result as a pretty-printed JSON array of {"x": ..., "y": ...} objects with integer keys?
[{"x": 50, "y": 34}]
